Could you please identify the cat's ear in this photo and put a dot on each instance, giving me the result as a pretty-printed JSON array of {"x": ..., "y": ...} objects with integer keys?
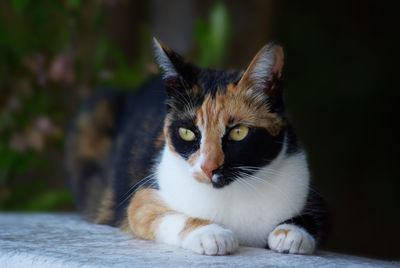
[
  {"x": 178, "y": 74},
  {"x": 264, "y": 74}
]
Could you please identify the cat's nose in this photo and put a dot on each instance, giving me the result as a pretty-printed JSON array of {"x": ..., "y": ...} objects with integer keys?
[{"x": 208, "y": 167}]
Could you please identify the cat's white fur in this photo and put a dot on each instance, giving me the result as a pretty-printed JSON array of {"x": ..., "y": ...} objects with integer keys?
[
  {"x": 211, "y": 239},
  {"x": 251, "y": 209},
  {"x": 169, "y": 229},
  {"x": 295, "y": 240}
]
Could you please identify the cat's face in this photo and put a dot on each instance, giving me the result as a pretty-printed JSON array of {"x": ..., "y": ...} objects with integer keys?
[{"x": 224, "y": 124}]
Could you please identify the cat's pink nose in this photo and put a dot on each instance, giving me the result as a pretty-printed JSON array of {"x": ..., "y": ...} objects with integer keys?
[{"x": 208, "y": 167}]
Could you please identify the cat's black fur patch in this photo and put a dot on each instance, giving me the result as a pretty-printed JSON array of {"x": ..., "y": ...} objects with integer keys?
[
  {"x": 293, "y": 143},
  {"x": 213, "y": 81},
  {"x": 274, "y": 90},
  {"x": 257, "y": 150},
  {"x": 182, "y": 147},
  {"x": 135, "y": 151},
  {"x": 138, "y": 119}
]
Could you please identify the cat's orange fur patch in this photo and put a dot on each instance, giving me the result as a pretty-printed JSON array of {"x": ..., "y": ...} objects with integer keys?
[
  {"x": 198, "y": 176},
  {"x": 145, "y": 213},
  {"x": 282, "y": 231},
  {"x": 105, "y": 213},
  {"x": 159, "y": 141},
  {"x": 201, "y": 178},
  {"x": 192, "y": 224},
  {"x": 237, "y": 103},
  {"x": 125, "y": 227},
  {"x": 167, "y": 123}
]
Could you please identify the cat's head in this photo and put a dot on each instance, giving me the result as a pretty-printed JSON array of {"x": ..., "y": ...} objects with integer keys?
[{"x": 224, "y": 124}]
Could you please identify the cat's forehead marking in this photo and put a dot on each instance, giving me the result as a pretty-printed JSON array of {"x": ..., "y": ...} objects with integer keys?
[{"x": 217, "y": 112}]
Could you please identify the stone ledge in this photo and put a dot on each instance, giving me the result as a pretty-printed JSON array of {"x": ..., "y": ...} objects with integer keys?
[{"x": 66, "y": 240}]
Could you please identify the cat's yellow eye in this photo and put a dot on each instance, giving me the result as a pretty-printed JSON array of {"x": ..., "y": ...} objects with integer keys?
[
  {"x": 238, "y": 133},
  {"x": 186, "y": 134}
]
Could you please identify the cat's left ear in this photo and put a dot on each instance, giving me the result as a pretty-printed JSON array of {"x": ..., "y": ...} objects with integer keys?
[
  {"x": 178, "y": 73},
  {"x": 264, "y": 74}
]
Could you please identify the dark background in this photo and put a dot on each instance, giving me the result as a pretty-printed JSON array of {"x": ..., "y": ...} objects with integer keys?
[{"x": 341, "y": 90}]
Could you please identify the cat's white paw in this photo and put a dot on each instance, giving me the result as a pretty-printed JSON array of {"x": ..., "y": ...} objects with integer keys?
[
  {"x": 288, "y": 238},
  {"x": 211, "y": 240}
]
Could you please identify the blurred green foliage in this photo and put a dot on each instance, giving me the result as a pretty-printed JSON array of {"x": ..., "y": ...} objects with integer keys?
[
  {"x": 213, "y": 36},
  {"x": 52, "y": 55}
]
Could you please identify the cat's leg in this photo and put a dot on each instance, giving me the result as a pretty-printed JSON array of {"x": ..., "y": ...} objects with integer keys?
[
  {"x": 150, "y": 218},
  {"x": 304, "y": 232}
]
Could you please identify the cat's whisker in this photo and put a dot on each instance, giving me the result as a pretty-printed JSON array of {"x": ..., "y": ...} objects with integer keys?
[
  {"x": 186, "y": 101},
  {"x": 131, "y": 194},
  {"x": 244, "y": 182},
  {"x": 268, "y": 183},
  {"x": 139, "y": 182},
  {"x": 261, "y": 170},
  {"x": 240, "y": 178},
  {"x": 266, "y": 172},
  {"x": 241, "y": 182},
  {"x": 255, "y": 190},
  {"x": 132, "y": 189},
  {"x": 190, "y": 99},
  {"x": 259, "y": 192}
]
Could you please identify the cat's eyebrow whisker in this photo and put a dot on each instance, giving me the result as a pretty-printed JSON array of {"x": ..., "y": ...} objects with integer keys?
[
  {"x": 181, "y": 98},
  {"x": 186, "y": 100},
  {"x": 190, "y": 100}
]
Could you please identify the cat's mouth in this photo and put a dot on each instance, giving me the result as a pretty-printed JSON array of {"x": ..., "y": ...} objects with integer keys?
[{"x": 217, "y": 181}]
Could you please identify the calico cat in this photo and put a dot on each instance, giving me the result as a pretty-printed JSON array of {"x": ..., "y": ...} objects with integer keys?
[{"x": 219, "y": 165}]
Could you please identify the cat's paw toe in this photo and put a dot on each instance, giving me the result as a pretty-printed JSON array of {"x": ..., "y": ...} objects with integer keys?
[
  {"x": 211, "y": 240},
  {"x": 288, "y": 238}
]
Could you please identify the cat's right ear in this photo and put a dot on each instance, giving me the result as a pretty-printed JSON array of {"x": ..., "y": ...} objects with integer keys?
[{"x": 178, "y": 74}]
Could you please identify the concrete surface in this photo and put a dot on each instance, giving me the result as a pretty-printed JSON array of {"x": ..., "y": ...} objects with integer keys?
[{"x": 66, "y": 240}]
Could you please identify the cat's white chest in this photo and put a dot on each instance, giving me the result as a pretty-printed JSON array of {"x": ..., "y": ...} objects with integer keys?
[{"x": 250, "y": 208}]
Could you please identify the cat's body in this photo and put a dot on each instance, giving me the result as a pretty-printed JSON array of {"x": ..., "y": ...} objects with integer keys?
[{"x": 220, "y": 165}]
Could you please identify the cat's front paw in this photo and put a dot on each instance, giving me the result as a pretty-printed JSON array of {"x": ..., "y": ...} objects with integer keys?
[
  {"x": 288, "y": 238},
  {"x": 211, "y": 240}
]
